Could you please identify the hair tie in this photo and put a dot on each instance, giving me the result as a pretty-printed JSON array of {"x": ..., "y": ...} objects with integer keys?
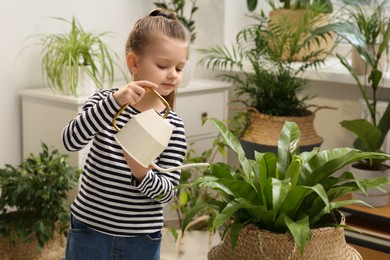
[{"x": 163, "y": 15}]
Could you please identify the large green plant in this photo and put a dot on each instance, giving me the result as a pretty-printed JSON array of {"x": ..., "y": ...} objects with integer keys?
[
  {"x": 64, "y": 54},
  {"x": 289, "y": 4},
  {"x": 368, "y": 23},
  {"x": 262, "y": 71},
  {"x": 33, "y": 195},
  {"x": 291, "y": 192},
  {"x": 179, "y": 8}
]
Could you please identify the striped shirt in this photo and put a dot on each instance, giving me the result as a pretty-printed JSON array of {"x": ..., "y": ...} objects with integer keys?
[{"x": 109, "y": 199}]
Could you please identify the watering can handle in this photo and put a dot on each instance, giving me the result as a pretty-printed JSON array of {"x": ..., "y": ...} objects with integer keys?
[{"x": 168, "y": 107}]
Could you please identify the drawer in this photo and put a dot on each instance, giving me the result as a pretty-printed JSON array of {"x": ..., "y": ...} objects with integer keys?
[{"x": 194, "y": 108}]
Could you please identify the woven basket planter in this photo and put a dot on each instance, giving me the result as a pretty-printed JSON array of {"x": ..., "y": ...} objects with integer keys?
[
  {"x": 288, "y": 20},
  {"x": 53, "y": 250},
  {"x": 254, "y": 243},
  {"x": 263, "y": 132}
]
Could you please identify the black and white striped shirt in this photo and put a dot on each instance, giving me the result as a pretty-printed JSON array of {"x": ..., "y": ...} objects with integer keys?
[{"x": 109, "y": 199}]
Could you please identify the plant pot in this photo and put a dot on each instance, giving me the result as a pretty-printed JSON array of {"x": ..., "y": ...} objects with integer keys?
[
  {"x": 263, "y": 132},
  {"x": 189, "y": 68},
  {"x": 374, "y": 197},
  {"x": 53, "y": 250},
  {"x": 288, "y": 20},
  {"x": 360, "y": 66},
  {"x": 254, "y": 243},
  {"x": 85, "y": 85}
]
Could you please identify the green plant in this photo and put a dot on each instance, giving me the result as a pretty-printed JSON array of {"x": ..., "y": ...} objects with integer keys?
[
  {"x": 33, "y": 195},
  {"x": 289, "y": 4},
  {"x": 188, "y": 198},
  {"x": 64, "y": 54},
  {"x": 179, "y": 8},
  {"x": 362, "y": 29},
  {"x": 262, "y": 71},
  {"x": 291, "y": 192}
]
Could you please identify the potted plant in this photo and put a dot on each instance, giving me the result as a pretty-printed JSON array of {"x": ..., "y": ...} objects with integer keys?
[
  {"x": 286, "y": 200},
  {"x": 184, "y": 11},
  {"x": 33, "y": 214},
  {"x": 268, "y": 81},
  {"x": 370, "y": 131},
  {"x": 288, "y": 4},
  {"x": 287, "y": 15},
  {"x": 77, "y": 56}
]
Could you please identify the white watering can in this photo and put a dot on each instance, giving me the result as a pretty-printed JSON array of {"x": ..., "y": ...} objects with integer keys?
[{"x": 146, "y": 136}]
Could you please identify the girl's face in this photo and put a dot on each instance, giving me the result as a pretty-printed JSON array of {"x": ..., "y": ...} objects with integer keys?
[{"x": 162, "y": 63}]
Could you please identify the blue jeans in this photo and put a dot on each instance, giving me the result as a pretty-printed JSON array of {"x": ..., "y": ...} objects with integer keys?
[{"x": 84, "y": 243}]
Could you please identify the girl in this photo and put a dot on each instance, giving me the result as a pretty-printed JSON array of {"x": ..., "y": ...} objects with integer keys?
[{"x": 117, "y": 213}]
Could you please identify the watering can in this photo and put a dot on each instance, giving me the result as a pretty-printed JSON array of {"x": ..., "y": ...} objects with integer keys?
[{"x": 146, "y": 136}]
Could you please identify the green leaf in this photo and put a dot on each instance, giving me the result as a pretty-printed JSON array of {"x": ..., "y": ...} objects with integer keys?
[
  {"x": 251, "y": 4},
  {"x": 288, "y": 145},
  {"x": 369, "y": 135},
  {"x": 300, "y": 230},
  {"x": 233, "y": 142},
  {"x": 280, "y": 190}
]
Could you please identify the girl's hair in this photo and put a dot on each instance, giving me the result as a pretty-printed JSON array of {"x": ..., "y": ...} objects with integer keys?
[{"x": 158, "y": 21}]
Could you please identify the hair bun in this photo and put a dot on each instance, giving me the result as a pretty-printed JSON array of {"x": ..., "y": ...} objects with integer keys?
[{"x": 163, "y": 13}]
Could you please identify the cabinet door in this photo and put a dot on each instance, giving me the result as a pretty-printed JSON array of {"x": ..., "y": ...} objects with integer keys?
[{"x": 193, "y": 108}]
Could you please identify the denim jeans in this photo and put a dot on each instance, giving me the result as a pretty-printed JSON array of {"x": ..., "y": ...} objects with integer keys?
[{"x": 84, "y": 243}]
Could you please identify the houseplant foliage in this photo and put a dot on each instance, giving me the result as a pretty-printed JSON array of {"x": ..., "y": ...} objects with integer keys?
[
  {"x": 64, "y": 54},
  {"x": 269, "y": 82},
  {"x": 33, "y": 196},
  {"x": 289, "y": 4},
  {"x": 362, "y": 29},
  {"x": 291, "y": 192},
  {"x": 179, "y": 8}
]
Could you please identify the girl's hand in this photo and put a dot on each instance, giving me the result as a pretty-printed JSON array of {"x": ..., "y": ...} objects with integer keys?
[{"x": 133, "y": 92}]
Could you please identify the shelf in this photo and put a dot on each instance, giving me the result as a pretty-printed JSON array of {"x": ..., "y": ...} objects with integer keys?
[
  {"x": 333, "y": 71},
  {"x": 371, "y": 226}
]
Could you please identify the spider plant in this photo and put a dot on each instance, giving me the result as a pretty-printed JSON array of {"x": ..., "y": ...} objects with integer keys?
[{"x": 63, "y": 55}]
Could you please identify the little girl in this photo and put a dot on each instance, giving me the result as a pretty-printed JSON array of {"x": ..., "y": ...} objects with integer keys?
[{"x": 117, "y": 213}]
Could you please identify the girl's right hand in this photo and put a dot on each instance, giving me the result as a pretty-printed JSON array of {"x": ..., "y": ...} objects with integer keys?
[{"x": 133, "y": 92}]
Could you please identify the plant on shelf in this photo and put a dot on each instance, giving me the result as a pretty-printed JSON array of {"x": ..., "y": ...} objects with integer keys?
[
  {"x": 65, "y": 56},
  {"x": 32, "y": 199},
  {"x": 290, "y": 195},
  {"x": 288, "y": 4},
  {"x": 362, "y": 33},
  {"x": 367, "y": 24},
  {"x": 179, "y": 8},
  {"x": 264, "y": 74}
]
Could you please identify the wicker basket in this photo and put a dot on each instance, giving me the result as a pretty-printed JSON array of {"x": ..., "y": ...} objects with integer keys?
[
  {"x": 253, "y": 243},
  {"x": 289, "y": 18},
  {"x": 53, "y": 250},
  {"x": 265, "y": 129}
]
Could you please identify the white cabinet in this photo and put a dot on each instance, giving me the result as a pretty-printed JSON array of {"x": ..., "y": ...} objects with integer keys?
[{"x": 45, "y": 114}]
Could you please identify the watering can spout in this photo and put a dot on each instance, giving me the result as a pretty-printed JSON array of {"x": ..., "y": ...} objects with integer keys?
[{"x": 146, "y": 136}]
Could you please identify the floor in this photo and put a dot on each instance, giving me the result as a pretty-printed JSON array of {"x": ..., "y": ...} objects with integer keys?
[{"x": 193, "y": 246}]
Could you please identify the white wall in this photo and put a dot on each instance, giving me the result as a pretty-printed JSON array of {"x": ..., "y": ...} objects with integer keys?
[
  {"x": 20, "y": 19},
  {"x": 217, "y": 22}
]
